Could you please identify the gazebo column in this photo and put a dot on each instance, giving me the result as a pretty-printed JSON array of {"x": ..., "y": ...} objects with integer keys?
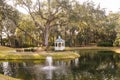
[{"x": 61, "y": 44}]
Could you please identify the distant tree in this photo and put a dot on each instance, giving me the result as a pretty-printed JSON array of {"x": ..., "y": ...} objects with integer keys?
[{"x": 8, "y": 15}]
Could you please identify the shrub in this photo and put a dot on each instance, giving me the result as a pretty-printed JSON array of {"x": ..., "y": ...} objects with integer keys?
[
  {"x": 25, "y": 45},
  {"x": 117, "y": 42},
  {"x": 105, "y": 44},
  {"x": 29, "y": 50}
]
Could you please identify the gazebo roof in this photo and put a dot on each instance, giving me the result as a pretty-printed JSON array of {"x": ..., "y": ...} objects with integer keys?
[{"x": 59, "y": 40}]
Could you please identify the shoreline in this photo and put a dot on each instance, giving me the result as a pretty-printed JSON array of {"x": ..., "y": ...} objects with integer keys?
[
  {"x": 115, "y": 49},
  {"x": 10, "y": 53},
  {"x": 38, "y": 55},
  {"x": 4, "y": 77}
]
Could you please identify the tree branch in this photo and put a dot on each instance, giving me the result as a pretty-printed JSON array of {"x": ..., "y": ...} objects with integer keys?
[
  {"x": 27, "y": 33},
  {"x": 40, "y": 12}
]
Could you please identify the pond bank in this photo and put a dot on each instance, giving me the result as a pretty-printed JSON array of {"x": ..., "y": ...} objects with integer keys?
[
  {"x": 115, "y": 49},
  {"x": 3, "y": 77},
  {"x": 38, "y": 55},
  {"x": 9, "y": 53}
]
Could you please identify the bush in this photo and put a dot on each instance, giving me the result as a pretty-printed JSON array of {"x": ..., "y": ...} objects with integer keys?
[
  {"x": 117, "y": 42},
  {"x": 29, "y": 50},
  {"x": 105, "y": 44},
  {"x": 25, "y": 45}
]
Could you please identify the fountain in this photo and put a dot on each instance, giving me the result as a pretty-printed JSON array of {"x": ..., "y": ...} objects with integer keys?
[
  {"x": 49, "y": 63},
  {"x": 48, "y": 69}
]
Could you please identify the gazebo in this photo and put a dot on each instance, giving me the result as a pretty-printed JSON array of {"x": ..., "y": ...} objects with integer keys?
[{"x": 59, "y": 44}]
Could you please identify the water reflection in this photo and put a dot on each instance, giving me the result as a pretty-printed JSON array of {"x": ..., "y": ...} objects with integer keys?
[
  {"x": 76, "y": 61},
  {"x": 49, "y": 74},
  {"x": 6, "y": 68},
  {"x": 92, "y": 65}
]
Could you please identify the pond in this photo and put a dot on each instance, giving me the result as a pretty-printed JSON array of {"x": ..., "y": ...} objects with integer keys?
[{"x": 92, "y": 65}]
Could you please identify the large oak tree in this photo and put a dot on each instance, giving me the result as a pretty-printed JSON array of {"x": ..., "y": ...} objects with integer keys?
[{"x": 46, "y": 14}]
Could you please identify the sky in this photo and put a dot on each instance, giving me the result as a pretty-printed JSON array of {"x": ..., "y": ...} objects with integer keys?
[{"x": 108, "y": 5}]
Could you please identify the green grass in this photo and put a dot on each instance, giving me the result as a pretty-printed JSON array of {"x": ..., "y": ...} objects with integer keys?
[
  {"x": 64, "y": 55},
  {"x": 42, "y": 55},
  {"x": 7, "y": 53},
  {"x": 93, "y": 48}
]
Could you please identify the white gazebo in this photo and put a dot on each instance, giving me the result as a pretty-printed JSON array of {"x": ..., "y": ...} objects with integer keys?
[{"x": 59, "y": 44}]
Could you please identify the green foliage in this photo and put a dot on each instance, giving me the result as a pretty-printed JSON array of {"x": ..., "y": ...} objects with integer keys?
[
  {"x": 38, "y": 55},
  {"x": 29, "y": 50},
  {"x": 50, "y": 18},
  {"x": 117, "y": 42},
  {"x": 25, "y": 45},
  {"x": 9, "y": 17},
  {"x": 105, "y": 44}
]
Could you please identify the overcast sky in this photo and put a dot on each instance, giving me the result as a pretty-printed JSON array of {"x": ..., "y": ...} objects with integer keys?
[{"x": 109, "y": 5}]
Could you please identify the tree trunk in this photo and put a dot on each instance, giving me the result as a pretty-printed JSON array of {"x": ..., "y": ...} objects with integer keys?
[
  {"x": 46, "y": 38},
  {"x": 65, "y": 34},
  {"x": 1, "y": 39}
]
